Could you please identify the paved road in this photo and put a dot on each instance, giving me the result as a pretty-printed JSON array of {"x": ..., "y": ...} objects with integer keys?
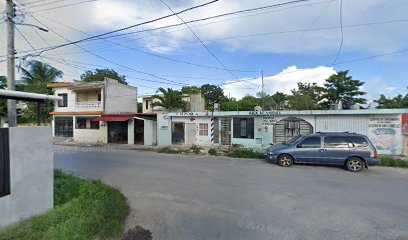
[{"x": 196, "y": 197}]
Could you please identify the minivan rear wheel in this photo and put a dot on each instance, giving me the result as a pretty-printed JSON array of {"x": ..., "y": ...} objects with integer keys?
[
  {"x": 354, "y": 164},
  {"x": 285, "y": 160}
]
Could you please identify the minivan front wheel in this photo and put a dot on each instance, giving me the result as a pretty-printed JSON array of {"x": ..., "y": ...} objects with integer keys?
[
  {"x": 285, "y": 160},
  {"x": 354, "y": 164}
]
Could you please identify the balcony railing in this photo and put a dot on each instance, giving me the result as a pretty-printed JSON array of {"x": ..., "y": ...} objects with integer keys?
[{"x": 88, "y": 105}]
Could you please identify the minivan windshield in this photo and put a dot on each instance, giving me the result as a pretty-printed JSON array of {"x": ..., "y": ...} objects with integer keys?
[{"x": 292, "y": 141}]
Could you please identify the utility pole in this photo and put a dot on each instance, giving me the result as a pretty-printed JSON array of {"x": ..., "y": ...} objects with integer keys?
[
  {"x": 11, "y": 82},
  {"x": 263, "y": 92}
]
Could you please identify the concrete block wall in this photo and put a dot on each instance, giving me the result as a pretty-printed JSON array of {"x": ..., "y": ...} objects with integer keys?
[{"x": 31, "y": 175}]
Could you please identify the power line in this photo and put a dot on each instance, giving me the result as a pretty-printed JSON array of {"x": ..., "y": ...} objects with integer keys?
[
  {"x": 45, "y": 3},
  {"x": 342, "y": 32},
  {"x": 202, "y": 43},
  {"x": 67, "y": 5},
  {"x": 28, "y": 42}
]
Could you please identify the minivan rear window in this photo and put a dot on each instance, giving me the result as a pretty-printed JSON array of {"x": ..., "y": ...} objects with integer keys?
[
  {"x": 358, "y": 141},
  {"x": 336, "y": 142}
]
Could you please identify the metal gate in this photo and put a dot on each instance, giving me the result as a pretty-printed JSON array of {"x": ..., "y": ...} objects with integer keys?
[
  {"x": 290, "y": 127},
  {"x": 216, "y": 130},
  {"x": 64, "y": 127},
  {"x": 226, "y": 131},
  {"x": 4, "y": 162}
]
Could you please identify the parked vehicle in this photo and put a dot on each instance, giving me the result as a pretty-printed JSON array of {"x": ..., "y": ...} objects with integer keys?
[{"x": 354, "y": 151}]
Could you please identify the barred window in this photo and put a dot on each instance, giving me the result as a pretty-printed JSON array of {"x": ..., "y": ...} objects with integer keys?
[{"x": 203, "y": 129}]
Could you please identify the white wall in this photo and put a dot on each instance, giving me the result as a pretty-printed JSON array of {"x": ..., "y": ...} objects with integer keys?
[
  {"x": 91, "y": 135},
  {"x": 150, "y": 138},
  {"x": 163, "y": 130},
  {"x": 200, "y": 140},
  {"x": 119, "y": 98},
  {"x": 31, "y": 174},
  {"x": 72, "y": 96}
]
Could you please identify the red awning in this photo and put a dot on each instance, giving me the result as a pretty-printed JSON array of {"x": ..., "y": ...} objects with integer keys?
[{"x": 112, "y": 118}]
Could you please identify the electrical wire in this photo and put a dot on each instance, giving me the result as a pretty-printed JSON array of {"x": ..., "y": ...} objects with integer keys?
[
  {"x": 64, "y": 6},
  {"x": 342, "y": 33}
]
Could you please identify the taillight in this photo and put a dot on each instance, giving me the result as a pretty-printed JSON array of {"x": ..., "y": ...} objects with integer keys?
[{"x": 375, "y": 153}]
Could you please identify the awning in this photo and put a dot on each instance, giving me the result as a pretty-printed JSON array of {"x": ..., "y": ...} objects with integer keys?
[{"x": 112, "y": 118}]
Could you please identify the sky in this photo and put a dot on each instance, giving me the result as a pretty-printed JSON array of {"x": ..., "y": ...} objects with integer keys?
[{"x": 296, "y": 42}]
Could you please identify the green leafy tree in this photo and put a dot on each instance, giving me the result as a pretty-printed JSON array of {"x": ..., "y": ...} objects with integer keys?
[
  {"x": 340, "y": 87},
  {"x": 212, "y": 94},
  {"x": 35, "y": 76},
  {"x": 169, "y": 99},
  {"x": 306, "y": 97},
  {"x": 398, "y": 101},
  {"x": 101, "y": 74},
  {"x": 192, "y": 90},
  {"x": 275, "y": 101}
]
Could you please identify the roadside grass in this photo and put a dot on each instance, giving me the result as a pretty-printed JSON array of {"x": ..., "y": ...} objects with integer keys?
[
  {"x": 245, "y": 153},
  {"x": 213, "y": 152},
  {"x": 168, "y": 150},
  {"x": 389, "y": 161},
  {"x": 83, "y": 209}
]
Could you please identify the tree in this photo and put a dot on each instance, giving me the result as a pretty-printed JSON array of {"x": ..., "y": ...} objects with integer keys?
[
  {"x": 192, "y": 90},
  {"x": 398, "y": 101},
  {"x": 35, "y": 76},
  {"x": 306, "y": 97},
  {"x": 275, "y": 101},
  {"x": 101, "y": 74},
  {"x": 340, "y": 87},
  {"x": 212, "y": 94},
  {"x": 169, "y": 99}
]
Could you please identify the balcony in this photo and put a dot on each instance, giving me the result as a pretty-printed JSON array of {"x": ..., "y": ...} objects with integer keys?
[{"x": 97, "y": 105}]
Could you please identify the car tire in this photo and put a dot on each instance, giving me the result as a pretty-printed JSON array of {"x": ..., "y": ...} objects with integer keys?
[
  {"x": 285, "y": 160},
  {"x": 354, "y": 164}
]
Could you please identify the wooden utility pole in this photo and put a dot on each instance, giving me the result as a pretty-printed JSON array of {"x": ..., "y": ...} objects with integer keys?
[{"x": 11, "y": 82}]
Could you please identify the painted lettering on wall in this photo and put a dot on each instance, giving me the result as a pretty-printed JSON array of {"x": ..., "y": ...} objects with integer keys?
[
  {"x": 385, "y": 133},
  {"x": 262, "y": 113},
  {"x": 268, "y": 121}
]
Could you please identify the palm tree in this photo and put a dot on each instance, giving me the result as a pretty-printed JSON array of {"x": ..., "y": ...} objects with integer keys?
[
  {"x": 35, "y": 77},
  {"x": 169, "y": 99}
]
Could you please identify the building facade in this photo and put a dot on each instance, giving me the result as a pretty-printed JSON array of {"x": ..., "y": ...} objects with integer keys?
[
  {"x": 95, "y": 112},
  {"x": 387, "y": 128},
  {"x": 195, "y": 103}
]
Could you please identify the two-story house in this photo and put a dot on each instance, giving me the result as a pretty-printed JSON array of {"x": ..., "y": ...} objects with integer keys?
[{"x": 95, "y": 112}]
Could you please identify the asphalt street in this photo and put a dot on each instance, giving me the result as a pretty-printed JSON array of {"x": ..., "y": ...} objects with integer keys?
[{"x": 200, "y": 197}]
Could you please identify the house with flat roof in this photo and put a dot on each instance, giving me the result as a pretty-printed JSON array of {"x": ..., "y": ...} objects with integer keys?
[
  {"x": 95, "y": 112},
  {"x": 387, "y": 128}
]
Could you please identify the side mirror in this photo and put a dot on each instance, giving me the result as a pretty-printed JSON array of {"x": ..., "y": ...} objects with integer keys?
[{"x": 299, "y": 146}]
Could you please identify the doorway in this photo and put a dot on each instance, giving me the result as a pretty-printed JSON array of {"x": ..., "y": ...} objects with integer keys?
[
  {"x": 177, "y": 135},
  {"x": 64, "y": 127},
  {"x": 118, "y": 132},
  {"x": 191, "y": 133},
  {"x": 139, "y": 132}
]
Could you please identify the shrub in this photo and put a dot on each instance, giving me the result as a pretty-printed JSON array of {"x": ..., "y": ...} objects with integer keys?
[
  {"x": 169, "y": 150},
  {"x": 245, "y": 153},
  {"x": 213, "y": 152},
  {"x": 389, "y": 161},
  {"x": 196, "y": 149},
  {"x": 84, "y": 209}
]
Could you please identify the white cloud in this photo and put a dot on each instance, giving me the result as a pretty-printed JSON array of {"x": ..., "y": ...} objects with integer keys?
[
  {"x": 375, "y": 87},
  {"x": 284, "y": 81}
]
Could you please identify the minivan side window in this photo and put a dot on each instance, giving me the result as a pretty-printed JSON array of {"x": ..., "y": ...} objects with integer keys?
[
  {"x": 336, "y": 142},
  {"x": 311, "y": 142},
  {"x": 358, "y": 142}
]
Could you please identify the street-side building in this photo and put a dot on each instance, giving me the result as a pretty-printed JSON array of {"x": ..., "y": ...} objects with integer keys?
[
  {"x": 95, "y": 112},
  {"x": 387, "y": 128}
]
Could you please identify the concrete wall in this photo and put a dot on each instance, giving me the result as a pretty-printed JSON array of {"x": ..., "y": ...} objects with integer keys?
[
  {"x": 72, "y": 99},
  {"x": 199, "y": 140},
  {"x": 150, "y": 133},
  {"x": 119, "y": 98},
  {"x": 31, "y": 174},
  {"x": 163, "y": 130}
]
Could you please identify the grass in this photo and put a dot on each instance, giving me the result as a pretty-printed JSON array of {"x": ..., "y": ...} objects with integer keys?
[
  {"x": 245, "y": 153},
  {"x": 169, "y": 150},
  {"x": 388, "y": 161},
  {"x": 196, "y": 149},
  {"x": 84, "y": 209},
  {"x": 213, "y": 152}
]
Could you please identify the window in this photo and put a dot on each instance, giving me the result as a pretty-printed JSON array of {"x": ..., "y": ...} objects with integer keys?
[
  {"x": 311, "y": 142},
  {"x": 147, "y": 104},
  {"x": 203, "y": 129},
  {"x": 99, "y": 97},
  {"x": 94, "y": 124},
  {"x": 336, "y": 142},
  {"x": 358, "y": 142},
  {"x": 81, "y": 123},
  {"x": 64, "y": 101},
  {"x": 243, "y": 128}
]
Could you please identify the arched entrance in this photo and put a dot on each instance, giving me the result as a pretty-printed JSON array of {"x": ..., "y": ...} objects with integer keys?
[{"x": 290, "y": 127}]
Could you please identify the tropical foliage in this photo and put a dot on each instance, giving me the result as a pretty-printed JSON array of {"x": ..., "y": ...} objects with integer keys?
[
  {"x": 169, "y": 99},
  {"x": 399, "y": 101},
  {"x": 101, "y": 74}
]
